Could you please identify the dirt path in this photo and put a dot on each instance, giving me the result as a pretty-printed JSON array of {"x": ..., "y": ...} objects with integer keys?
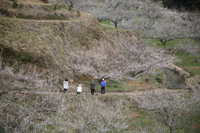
[
  {"x": 134, "y": 93},
  {"x": 82, "y": 17},
  {"x": 31, "y": 2}
]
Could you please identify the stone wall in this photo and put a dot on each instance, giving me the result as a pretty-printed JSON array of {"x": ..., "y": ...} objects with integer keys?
[{"x": 175, "y": 77}]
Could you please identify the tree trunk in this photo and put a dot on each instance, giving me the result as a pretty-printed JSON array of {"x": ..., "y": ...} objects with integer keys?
[
  {"x": 163, "y": 42},
  {"x": 171, "y": 130},
  {"x": 136, "y": 73},
  {"x": 1, "y": 52},
  {"x": 70, "y": 7},
  {"x": 115, "y": 24},
  {"x": 196, "y": 60},
  {"x": 55, "y": 7}
]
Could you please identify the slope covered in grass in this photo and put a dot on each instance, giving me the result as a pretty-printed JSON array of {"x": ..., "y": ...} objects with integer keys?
[{"x": 46, "y": 43}]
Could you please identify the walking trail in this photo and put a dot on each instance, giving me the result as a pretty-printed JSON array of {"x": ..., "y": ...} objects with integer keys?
[{"x": 133, "y": 93}]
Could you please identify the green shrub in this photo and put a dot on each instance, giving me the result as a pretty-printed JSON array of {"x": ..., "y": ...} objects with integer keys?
[
  {"x": 26, "y": 57},
  {"x": 15, "y": 5},
  {"x": 20, "y": 5},
  {"x": 31, "y": 127},
  {"x": 45, "y": 1},
  {"x": 159, "y": 80},
  {"x": 2, "y": 130}
]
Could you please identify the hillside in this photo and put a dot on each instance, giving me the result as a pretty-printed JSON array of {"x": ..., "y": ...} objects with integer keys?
[
  {"x": 41, "y": 46},
  {"x": 46, "y": 44},
  {"x": 34, "y": 34}
]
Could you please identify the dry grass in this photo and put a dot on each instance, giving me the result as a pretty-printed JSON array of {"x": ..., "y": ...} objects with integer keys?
[
  {"x": 143, "y": 83},
  {"x": 45, "y": 43},
  {"x": 66, "y": 111},
  {"x": 37, "y": 10},
  {"x": 136, "y": 114},
  {"x": 197, "y": 126},
  {"x": 29, "y": 1}
]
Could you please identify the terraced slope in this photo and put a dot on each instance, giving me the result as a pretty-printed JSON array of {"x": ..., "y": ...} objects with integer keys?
[{"x": 46, "y": 43}]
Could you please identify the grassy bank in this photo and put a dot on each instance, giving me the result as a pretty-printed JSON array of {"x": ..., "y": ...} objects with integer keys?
[{"x": 187, "y": 61}]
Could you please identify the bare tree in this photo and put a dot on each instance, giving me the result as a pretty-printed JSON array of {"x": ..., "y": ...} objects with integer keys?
[
  {"x": 191, "y": 48},
  {"x": 99, "y": 14},
  {"x": 99, "y": 117},
  {"x": 164, "y": 32},
  {"x": 193, "y": 24},
  {"x": 174, "y": 110},
  {"x": 95, "y": 8},
  {"x": 151, "y": 12},
  {"x": 21, "y": 80},
  {"x": 71, "y": 3},
  {"x": 159, "y": 30},
  {"x": 143, "y": 17},
  {"x": 116, "y": 16},
  {"x": 55, "y": 3},
  {"x": 29, "y": 112},
  {"x": 148, "y": 25},
  {"x": 118, "y": 59},
  {"x": 112, "y": 10},
  {"x": 1, "y": 52}
]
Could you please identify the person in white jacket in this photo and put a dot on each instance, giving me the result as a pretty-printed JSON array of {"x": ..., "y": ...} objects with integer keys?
[
  {"x": 65, "y": 85},
  {"x": 79, "y": 89}
]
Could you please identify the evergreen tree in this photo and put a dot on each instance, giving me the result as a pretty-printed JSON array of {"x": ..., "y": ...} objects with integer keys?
[{"x": 15, "y": 5}]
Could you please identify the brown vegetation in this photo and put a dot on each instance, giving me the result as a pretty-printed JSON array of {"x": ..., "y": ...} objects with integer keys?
[
  {"x": 36, "y": 10},
  {"x": 46, "y": 44}
]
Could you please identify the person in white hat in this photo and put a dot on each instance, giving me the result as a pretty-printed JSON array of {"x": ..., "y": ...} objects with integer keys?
[
  {"x": 103, "y": 85},
  {"x": 79, "y": 89}
]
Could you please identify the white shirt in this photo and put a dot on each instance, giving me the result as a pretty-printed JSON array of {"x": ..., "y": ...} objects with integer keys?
[
  {"x": 79, "y": 89},
  {"x": 65, "y": 85}
]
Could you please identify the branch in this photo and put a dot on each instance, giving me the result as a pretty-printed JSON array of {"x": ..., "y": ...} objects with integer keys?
[{"x": 6, "y": 87}]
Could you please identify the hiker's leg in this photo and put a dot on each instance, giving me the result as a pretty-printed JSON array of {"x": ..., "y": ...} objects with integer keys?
[
  {"x": 103, "y": 90},
  {"x": 92, "y": 91}
]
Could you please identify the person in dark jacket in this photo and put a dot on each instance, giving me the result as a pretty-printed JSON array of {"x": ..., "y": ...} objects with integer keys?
[
  {"x": 103, "y": 85},
  {"x": 92, "y": 87}
]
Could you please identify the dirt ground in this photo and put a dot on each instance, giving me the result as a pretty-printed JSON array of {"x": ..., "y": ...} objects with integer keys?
[
  {"x": 145, "y": 83},
  {"x": 133, "y": 93}
]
